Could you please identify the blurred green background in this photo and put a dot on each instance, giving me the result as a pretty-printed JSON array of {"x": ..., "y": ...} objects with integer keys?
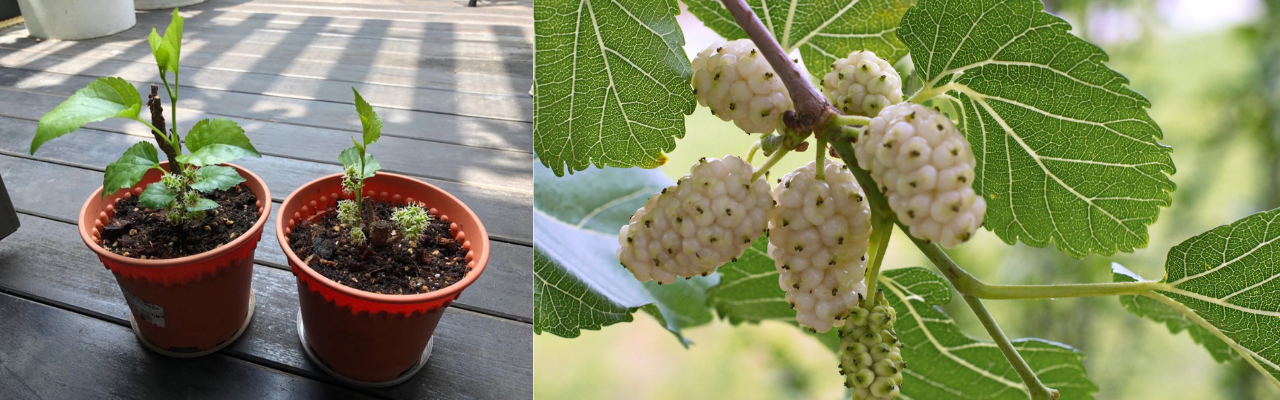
[{"x": 1212, "y": 72}]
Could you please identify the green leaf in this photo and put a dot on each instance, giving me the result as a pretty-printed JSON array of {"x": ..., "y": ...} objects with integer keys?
[
  {"x": 944, "y": 363},
  {"x": 1065, "y": 151},
  {"x": 216, "y": 141},
  {"x": 611, "y": 83},
  {"x": 564, "y": 305},
  {"x": 581, "y": 285},
  {"x": 103, "y": 98},
  {"x": 1226, "y": 281},
  {"x": 168, "y": 49},
  {"x": 824, "y": 31},
  {"x": 369, "y": 119},
  {"x": 1152, "y": 309},
  {"x": 351, "y": 156},
  {"x": 129, "y": 169},
  {"x": 216, "y": 177},
  {"x": 202, "y": 204},
  {"x": 156, "y": 196},
  {"x": 749, "y": 291}
]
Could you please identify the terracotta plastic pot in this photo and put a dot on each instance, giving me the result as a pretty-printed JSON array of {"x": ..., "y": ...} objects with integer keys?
[
  {"x": 366, "y": 338},
  {"x": 189, "y": 306}
]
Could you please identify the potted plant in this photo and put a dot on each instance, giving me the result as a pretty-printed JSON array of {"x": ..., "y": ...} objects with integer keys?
[
  {"x": 178, "y": 235},
  {"x": 77, "y": 19},
  {"x": 378, "y": 258}
]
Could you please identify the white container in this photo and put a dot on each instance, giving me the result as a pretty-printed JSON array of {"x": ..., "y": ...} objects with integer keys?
[
  {"x": 163, "y": 4},
  {"x": 77, "y": 19}
]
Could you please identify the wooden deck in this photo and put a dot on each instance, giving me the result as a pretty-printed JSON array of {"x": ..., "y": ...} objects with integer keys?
[{"x": 451, "y": 84}]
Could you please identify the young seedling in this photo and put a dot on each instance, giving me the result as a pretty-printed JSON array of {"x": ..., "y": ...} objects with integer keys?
[
  {"x": 191, "y": 175},
  {"x": 358, "y": 165}
]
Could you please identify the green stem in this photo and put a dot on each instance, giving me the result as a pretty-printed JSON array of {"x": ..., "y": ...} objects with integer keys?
[
  {"x": 751, "y": 153},
  {"x": 153, "y": 127},
  {"x": 881, "y": 231},
  {"x": 850, "y": 120},
  {"x": 974, "y": 287},
  {"x": 820, "y": 160},
  {"x": 777, "y": 156},
  {"x": 929, "y": 91},
  {"x": 1038, "y": 390}
]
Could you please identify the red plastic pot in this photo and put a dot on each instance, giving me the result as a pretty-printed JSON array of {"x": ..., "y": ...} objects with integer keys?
[
  {"x": 189, "y": 306},
  {"x": 367, "y": 338}
]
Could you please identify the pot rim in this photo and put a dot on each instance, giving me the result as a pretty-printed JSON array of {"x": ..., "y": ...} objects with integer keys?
[
  {"x": 447, "y": 293},
  {"x": 185, "y": 260}
]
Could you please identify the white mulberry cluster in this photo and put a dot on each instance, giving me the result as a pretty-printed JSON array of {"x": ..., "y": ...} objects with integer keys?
[
  {"x": 738, "y": 84},
  {"x": 708, "y": 218},
  {"x": 818, "y": 237},
  {"x": 870, "y": 353},
  {"x": 862, "y": 84},
  {"x": 925, "y": 167}
]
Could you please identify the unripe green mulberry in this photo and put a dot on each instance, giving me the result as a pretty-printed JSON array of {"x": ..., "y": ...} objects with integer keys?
[
  {"x": 925, "y": 167},
  {"x": 708, "y": 218},
  {"x": 818, "y": 238},
  {"x": 862, "y": 84},
  {"x": 870, "y": 353},
  {"x": 738, "y": 84}
]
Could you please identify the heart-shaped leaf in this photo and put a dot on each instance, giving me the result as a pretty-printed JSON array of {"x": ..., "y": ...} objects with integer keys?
[
  {"x": 129, "y": 169},
  {"x": 103, "y": 98},
  {"x": 1065, "y": 151},
  {"x": 611, "y": 83},
  {"x": 216, "y": 141}
]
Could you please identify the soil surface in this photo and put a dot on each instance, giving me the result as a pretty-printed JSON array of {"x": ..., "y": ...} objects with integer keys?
[
  {"x": 432, "y": 262},
  {"x": 144, "y": 233}
]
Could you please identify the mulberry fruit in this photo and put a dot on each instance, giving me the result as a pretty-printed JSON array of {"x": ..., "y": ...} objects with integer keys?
[
  {"x": 925, "y": 167},
  {"x": 870, "y": 353},
  {"x": 862, "y": 84},
  {"x": 738, "y": 84},
  {"x": 818, "y": 238},
  {"x": 708, "y": 218}
]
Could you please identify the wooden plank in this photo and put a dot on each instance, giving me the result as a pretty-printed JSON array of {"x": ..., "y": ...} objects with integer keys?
[
  {"x": 506, "y": 214},
  {"x": 49, "y": 353},
  {"x": 512, "y": 107},
  {"x": 492, "y": 16},
  {"x": 74, "y": 58},
  {"x": 519, "y": 7},
  {"x": 225, "y": 17},
  {"x": 475, "y": 356},
  {"x": 460, "y": 55},
  {"x": 478, "y": 133},
  {"x": 58, "y": 191},
  {"x": 495, "y": 170}
]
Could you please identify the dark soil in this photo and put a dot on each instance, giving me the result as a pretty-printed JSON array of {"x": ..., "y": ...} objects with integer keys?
[
  {"x": 144, "y": 233},
  {"x": 433, "y": 262}
]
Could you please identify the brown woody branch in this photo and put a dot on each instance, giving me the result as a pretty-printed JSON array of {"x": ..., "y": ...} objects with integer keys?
[
  {"x": 812, "y": 111},
  {"x": 157, "y": 120}
]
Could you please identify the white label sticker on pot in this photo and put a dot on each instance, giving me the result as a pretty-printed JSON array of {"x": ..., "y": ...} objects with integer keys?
[{"x": 148, "y": 312}]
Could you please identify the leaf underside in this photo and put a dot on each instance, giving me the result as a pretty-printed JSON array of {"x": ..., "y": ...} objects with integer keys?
[
  {"x": 1176, "y": 322},
  {"x": 823, "y": 30},
  {"x": 944, "y": 363},
  {"x": 580, "y": 284},
  {"x": 1066, "y": 152},
  {"x": 611, "y": 83},
  {"x": 1228, "y": 279}
]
